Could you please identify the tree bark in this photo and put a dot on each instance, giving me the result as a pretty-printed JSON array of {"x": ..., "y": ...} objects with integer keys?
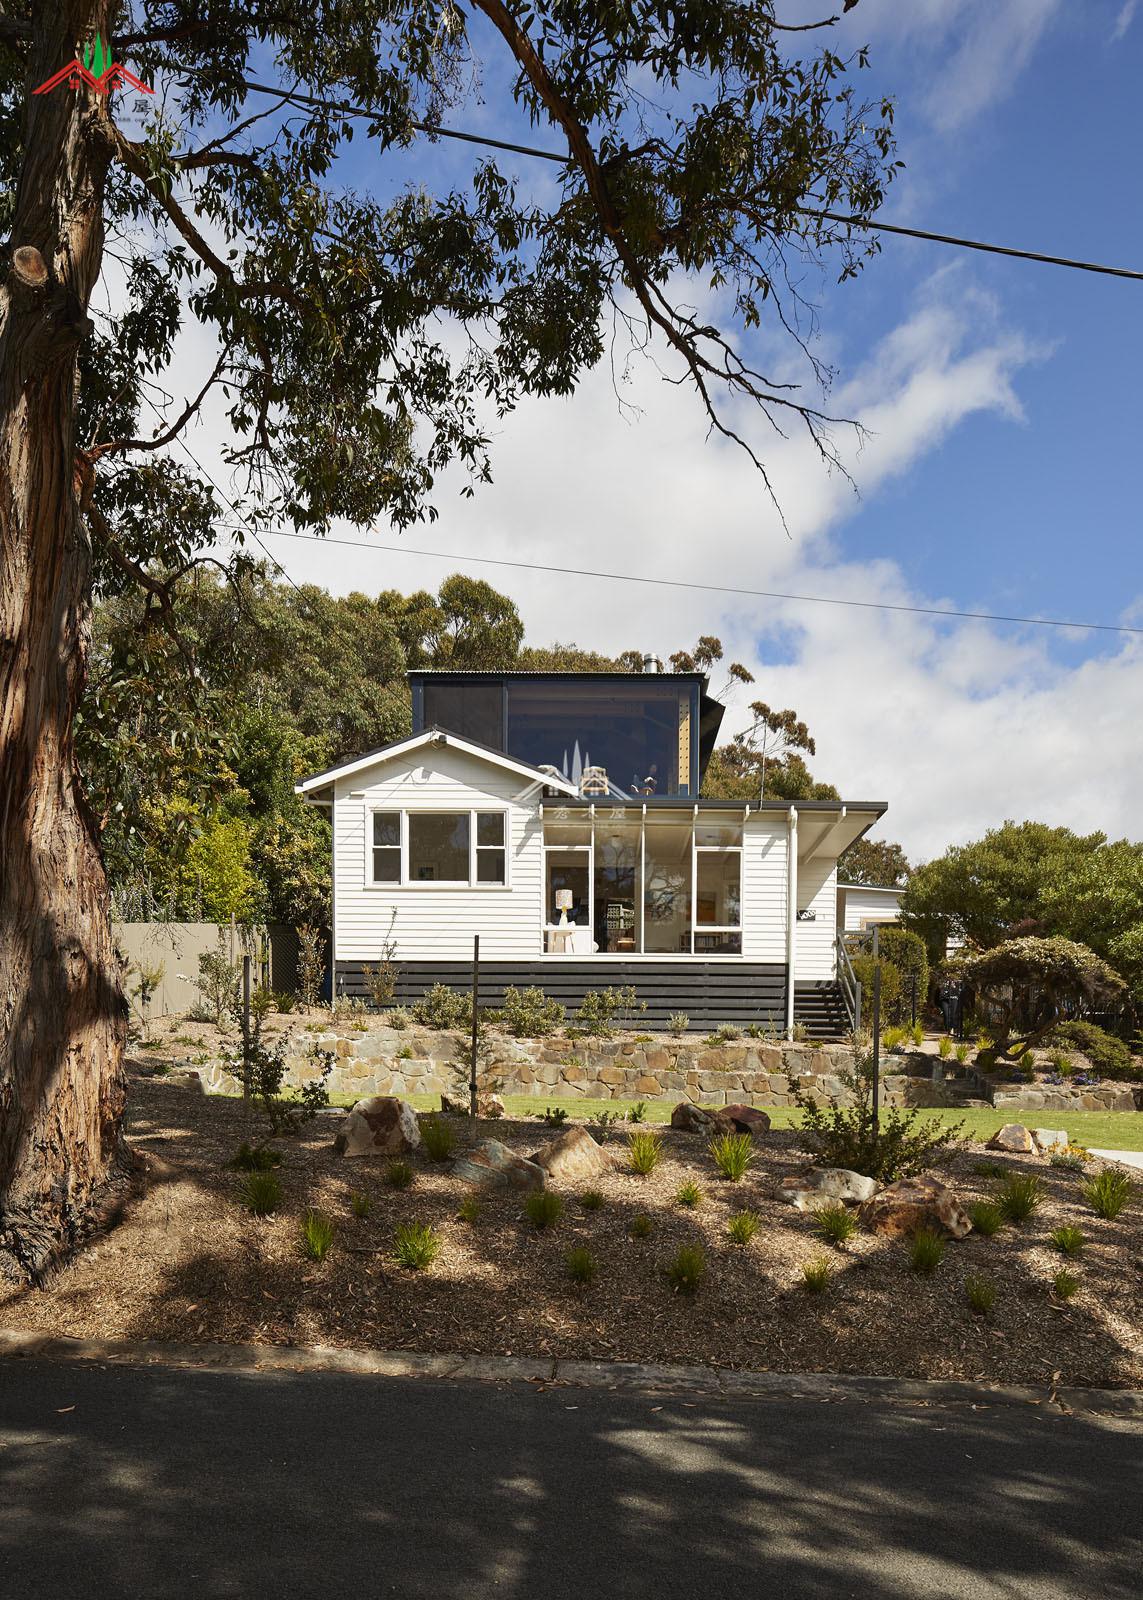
[{"x": 62, "y": 1012}]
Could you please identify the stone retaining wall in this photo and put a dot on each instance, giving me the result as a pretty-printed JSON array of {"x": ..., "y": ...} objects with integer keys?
[{"x": 1058, "y": 1097}]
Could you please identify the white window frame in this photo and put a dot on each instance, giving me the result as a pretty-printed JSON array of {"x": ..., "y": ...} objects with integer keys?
[
  {"x": 698, "y": 927},
  {"x": 453, "y": 884}
]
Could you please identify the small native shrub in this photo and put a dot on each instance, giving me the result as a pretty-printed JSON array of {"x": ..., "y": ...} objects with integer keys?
[
  {"x": 816, "y": 1274},
  {"x": 980, "y": 1293},
  {"x": 945, "y": 1047},
  {"x": 256, "y": 1158},
  {"x": 601, "y": 1009},
  {"x": 405, "y": 1053},
  {"x": 686, "y": 1271},
  {"x": 360, "y": 1204},
  {"x": 416, "y": 1245},
  {"x": 987, "y": 1169},
  {"x": 725, "y": 1034},
  {"x": 987, "y": 1218},
  {"x": 438, "y": 1138},
  {"x": 591, "y": 1200},
  {"x": 604, "y": 1119},
  {"x": 261, "y": 1068},
  {"x": 543, "y": 1208},
  {"x": 961, "y": 1053},
  {"x": 638, "y": 1112},
  {"x": 644, "y": 1151},
  {"x": 398, "y": 1174},
  {"x": 554, "y": 1116},
  {"x": 581, "y": 1265},
  {"x": 284, "y": 1002},
  {"x": 1058, "y": 1061},
  {"x": 317, "y": 1235},
  {"x": 1065, "y": 1284},
  {"x": 1106, "y": 1053},
  {"x": 1069, "y": 1241},
  {"x": 917, "y": 1033},
  {"x": 678, "y": 1022},
  {"x": 892, "y": 1036},
  {"x": 688, "y": 1194},
  {"x": 311, "y": 964},
  {"x": 835, "y": 1223},
  {"x": 442, "y": 1007},
  {"x": 1018, "y": 1195},
  {"x": 263, "y": 1193},
  {"x": 926, "y": 1251},
  {"x": 1108, "y": 1194},
  {"x": 732, "y": 1154},
  {"x": 469, "y": 1209},
  {"x": 1028, "y": 1061},
  {"x": 1066, "y": 1162},
  {"x": 398, "y": 1018},
  {"x": 641, "y": 1226},
  {"x": 742, "y": 1226},
  {"x": 529, "y": 1014}
]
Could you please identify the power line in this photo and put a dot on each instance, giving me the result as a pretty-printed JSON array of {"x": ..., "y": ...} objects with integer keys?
[
  {"x": 719, "y": 588},
  {"x": 435, "y": 130}
]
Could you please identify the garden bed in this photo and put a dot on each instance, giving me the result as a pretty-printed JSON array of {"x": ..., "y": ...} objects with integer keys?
[{"x": 189, "y": 1262}]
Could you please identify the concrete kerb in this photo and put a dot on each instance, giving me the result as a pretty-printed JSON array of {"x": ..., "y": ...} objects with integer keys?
[{"x": 628, "y": 1376}]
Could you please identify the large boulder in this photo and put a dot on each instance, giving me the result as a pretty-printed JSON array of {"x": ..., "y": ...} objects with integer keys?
[
  {"x": 487, "y": 1105},
  {"x": 573, "y": 1158},
  {"x": 820, "y": 1185},
  {"x": 690, "y": 1118},
  {"x": 383, "y": 1126},
  {"x": 742, "y": 1119},
  {"x": 1013, "y": 1137},
  {"x": 493, "y": 1166},
  {"x": 1048, "y": 1140},
  {"x": 911, "y": 1203}
]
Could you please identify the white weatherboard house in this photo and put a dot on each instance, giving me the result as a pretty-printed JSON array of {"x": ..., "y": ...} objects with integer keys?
[{"x": 557, "y": 816}]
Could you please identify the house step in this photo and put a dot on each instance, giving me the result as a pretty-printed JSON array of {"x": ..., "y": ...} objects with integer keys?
[{"x": 820, "y": 1009}]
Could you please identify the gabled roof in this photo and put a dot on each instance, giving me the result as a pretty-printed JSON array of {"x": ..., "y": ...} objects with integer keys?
[{"x": 436, "y": 737}]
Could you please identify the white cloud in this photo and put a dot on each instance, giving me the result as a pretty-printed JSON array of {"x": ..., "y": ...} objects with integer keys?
[{"x": 1124, "y": 20}]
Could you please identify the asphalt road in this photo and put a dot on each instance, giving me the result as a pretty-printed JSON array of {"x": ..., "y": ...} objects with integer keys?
[{"x": 156, "y": 1483}]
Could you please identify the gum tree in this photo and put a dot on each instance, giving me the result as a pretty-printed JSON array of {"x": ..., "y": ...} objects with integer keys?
[{"x": 353, "y": 341}]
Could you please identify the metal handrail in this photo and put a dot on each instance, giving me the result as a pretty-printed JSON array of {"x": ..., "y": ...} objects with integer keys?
[{"x": 847, "y": 982}]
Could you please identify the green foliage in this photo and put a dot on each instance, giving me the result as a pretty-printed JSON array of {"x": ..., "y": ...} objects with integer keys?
[
  {"x": 1068, "y": 1240},
  {"x": 283, "y": 1001},
  {"x": 961, "y": 1052},
  {"x": 469, "y": 1210},
  {"x": 554, "y": 1116},
  {"x": 743, "y": 1226},
  {"x": 529, "y": 1014},
  {"x": 311, "y": 964},
  {"x": 641, "y": 1226},
  {"x": 906, "y": 952},
  {"x": 1063, "y": 1064},
  {"x": 1027, "y": 982},
  {"x": 219, "y": 983},
  {"x": 725, "y": 1033},
  {"x": 317, "y": 1235},
  {"x": 591, "y": 1200},
  {"x": 894, "y": 1003},
  {"x": 601, "y": 1010},
  {"x": 360, "y": 1204},
  {"x": 581, "y": 1265},
  {"x": 689, "y": 1195},
  {"x": 987, "y": 1217},
  {"x": 834, "y": 1222},
  {"x": 606, "y": 1119},
  {"x": 687, "y": 1268},
  {"x": 1108, "y": 1193},
  {"x": 1066, "y": 1284},
  {"x": 980, "y": 1293},
  {"x": 1064, "y": 1161},
  {"x": 638, "y": 1111},
  {"x": 1107, "y": 1054},
  {"x": 733, "y": 1154},
  {"x": 256, "y": 1158},
  {"x": 644, "y": 1151},
  {"x": 443, "y": 1008},
  {"x": 926, "y": 1251},
  {"x": 1018, "y": 1195},
  {"x": 543, "y": 1208},
  {"x": 262, "y": 1192},
  {"x": 398, "y": 1174},
  {"x": 816, "y": 1274},
  {"x": 876, "y": 862},
  {"x": 438, "y": 1137},
  {"x": 945, "y": 1047},
  {"x": 262, "y": 1071},
  {"x": 678, "y": 1022},
  {"x": 416, "y": 1245}
]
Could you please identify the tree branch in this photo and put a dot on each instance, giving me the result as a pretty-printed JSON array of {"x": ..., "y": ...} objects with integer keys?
[{"x": 120, "y": 446}]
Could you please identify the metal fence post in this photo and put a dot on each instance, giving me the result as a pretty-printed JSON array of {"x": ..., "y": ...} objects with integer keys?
[
  {"x": 876, "y": 1035},
  {"x": 913, "y": 998},
  {"x": 472, "y": 1084},
  {"x": 246, "y": 1034}
]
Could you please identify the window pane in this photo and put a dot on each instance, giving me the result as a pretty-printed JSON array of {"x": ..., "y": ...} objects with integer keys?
[
  {"x": 632, "y": 727},
  {"x": 567, "y": 870},
  {"x": 618, "y": 903},
  {"x": 490, "y": 827},
  {"x": 386, "y": 866},
  {"x": 438, "y": 847},
  {"x": 723, "y": 834},
  {"x": 667, "y": 887},
  {"x": 717, "y": 892},
  {"x": 387, "y": 827},
  {"x": 474, "y": 710},
  {"x": 717, "y": 944},
  {"x": 556, "y": 832},
  {"x": 490, "y": 866}
]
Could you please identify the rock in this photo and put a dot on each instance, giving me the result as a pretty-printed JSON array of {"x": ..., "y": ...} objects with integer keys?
[
  {"x": 692, "y": 1119},
  {"x": 487, "y": 1105},
  {"x": 493, "y": 1166},
  {"x": 574, "y": 1157},
  {"x": 382, "y": 1126},
  {"x": 1049, "y": 1139},
  {"x": 912, "y": 1203},
  {"x": 742, "y": 1119},
  {"x": 1013, "y": 1137},
  {"x": 822, "y": 1184},
  {"x": 190, "y": 1079}
]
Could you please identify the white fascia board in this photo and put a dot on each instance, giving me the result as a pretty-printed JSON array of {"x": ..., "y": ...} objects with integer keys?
[{"x": 432, "y": 737}]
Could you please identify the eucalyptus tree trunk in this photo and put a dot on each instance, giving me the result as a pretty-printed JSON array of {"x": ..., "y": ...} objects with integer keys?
[{"x": 62, "y": 1013}]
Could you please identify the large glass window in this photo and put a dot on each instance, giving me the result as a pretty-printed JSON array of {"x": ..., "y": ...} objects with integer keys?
[
  {"x": 667, "y": 886},
  {"x": 618, "y": 873},
  {"x": 474, "y": 710},
  {"x": 718, "y": 891},
  {"x": 639, "y": 733},
  {"x": 438, "y": 847}
]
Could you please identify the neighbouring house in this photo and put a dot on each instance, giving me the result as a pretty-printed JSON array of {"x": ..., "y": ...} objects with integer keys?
[
  {"x": 557, "y": 816},
  {"x": 860, "y": 905}
]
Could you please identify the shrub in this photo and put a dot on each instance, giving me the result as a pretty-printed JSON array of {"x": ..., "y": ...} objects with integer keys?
[
  {"x": 1018, "y": 1195},
  {"x": 638, "y": 1111},
  {"x": 601, "y": 1008},
  {"x": 529, "y": 1014},
  {"x": 256, "y": 1158},
  {"x": 917, "y": 1033},
  {"x": 981, "y": 1293},
  {"x": 644, "y": 1151},
  {"x": 742, "y": 1226},
  {"x": 945, "y": 1047},
  {"x": 987, "y": 1169},
  {"x": 686, "y": 1271},
  {"x": 360, "y": 1204},
  {"x": 641, "y": 1226},
  {"x": 398, "y": 1018},
  {"x": 398, "y": 1174},
  {"x": 1069, "y": 1241},
  {"x": 554, "y": 1116},
  {"x": 961, "y": 1053},
  {"x": 1065, "y": 1284},
  {"x": 724, "y": 1034},
  {"x": 262, "y": 1071},
  {"x": 284, "y": 1002},
  {"x": 438, "y": 1137},
  {"x": 909, "y": 955},
  {"x": 604, "y": 1119},
  {"x": 1057, "y": 1060},
  {"x": 317, "y": 1235},
  {"x": 311, "y": 964},
  {"x": 219, "y": 984},
  {"x": 892, "y": 1036},
  {"x": 816, "y": 1274},
  {"x": 543, "y": 1208},
  {"x": 678, "y": 1022},
  {"x": 1025, "y": 979},
  {"x": 442, "y": 1007},
  {"x": 926, "y": 1251},
  {"x": 1067, "y": 1162},
  {"x": 1028, "y": 1061},
  {"x": 416, "y": 1245},
  {"x": 381, "y": 980},
  {"x": 1106, "y": 1053},
  {"x": 892, "y": 1003},
  {"x": 834, "y": 1222},
  {"x": 263, "y": 1193},
  {"x": 732, "y": 1154},
  {"x": 591, "y": 1200},
  {"x": 581, "y": 1264},
  {"x": 469, "y": 1209},
  {"x": 689, "y": 1194},
  {"x": 1108, "y": 1194},
  {"x": 987, "y": 1218}
]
